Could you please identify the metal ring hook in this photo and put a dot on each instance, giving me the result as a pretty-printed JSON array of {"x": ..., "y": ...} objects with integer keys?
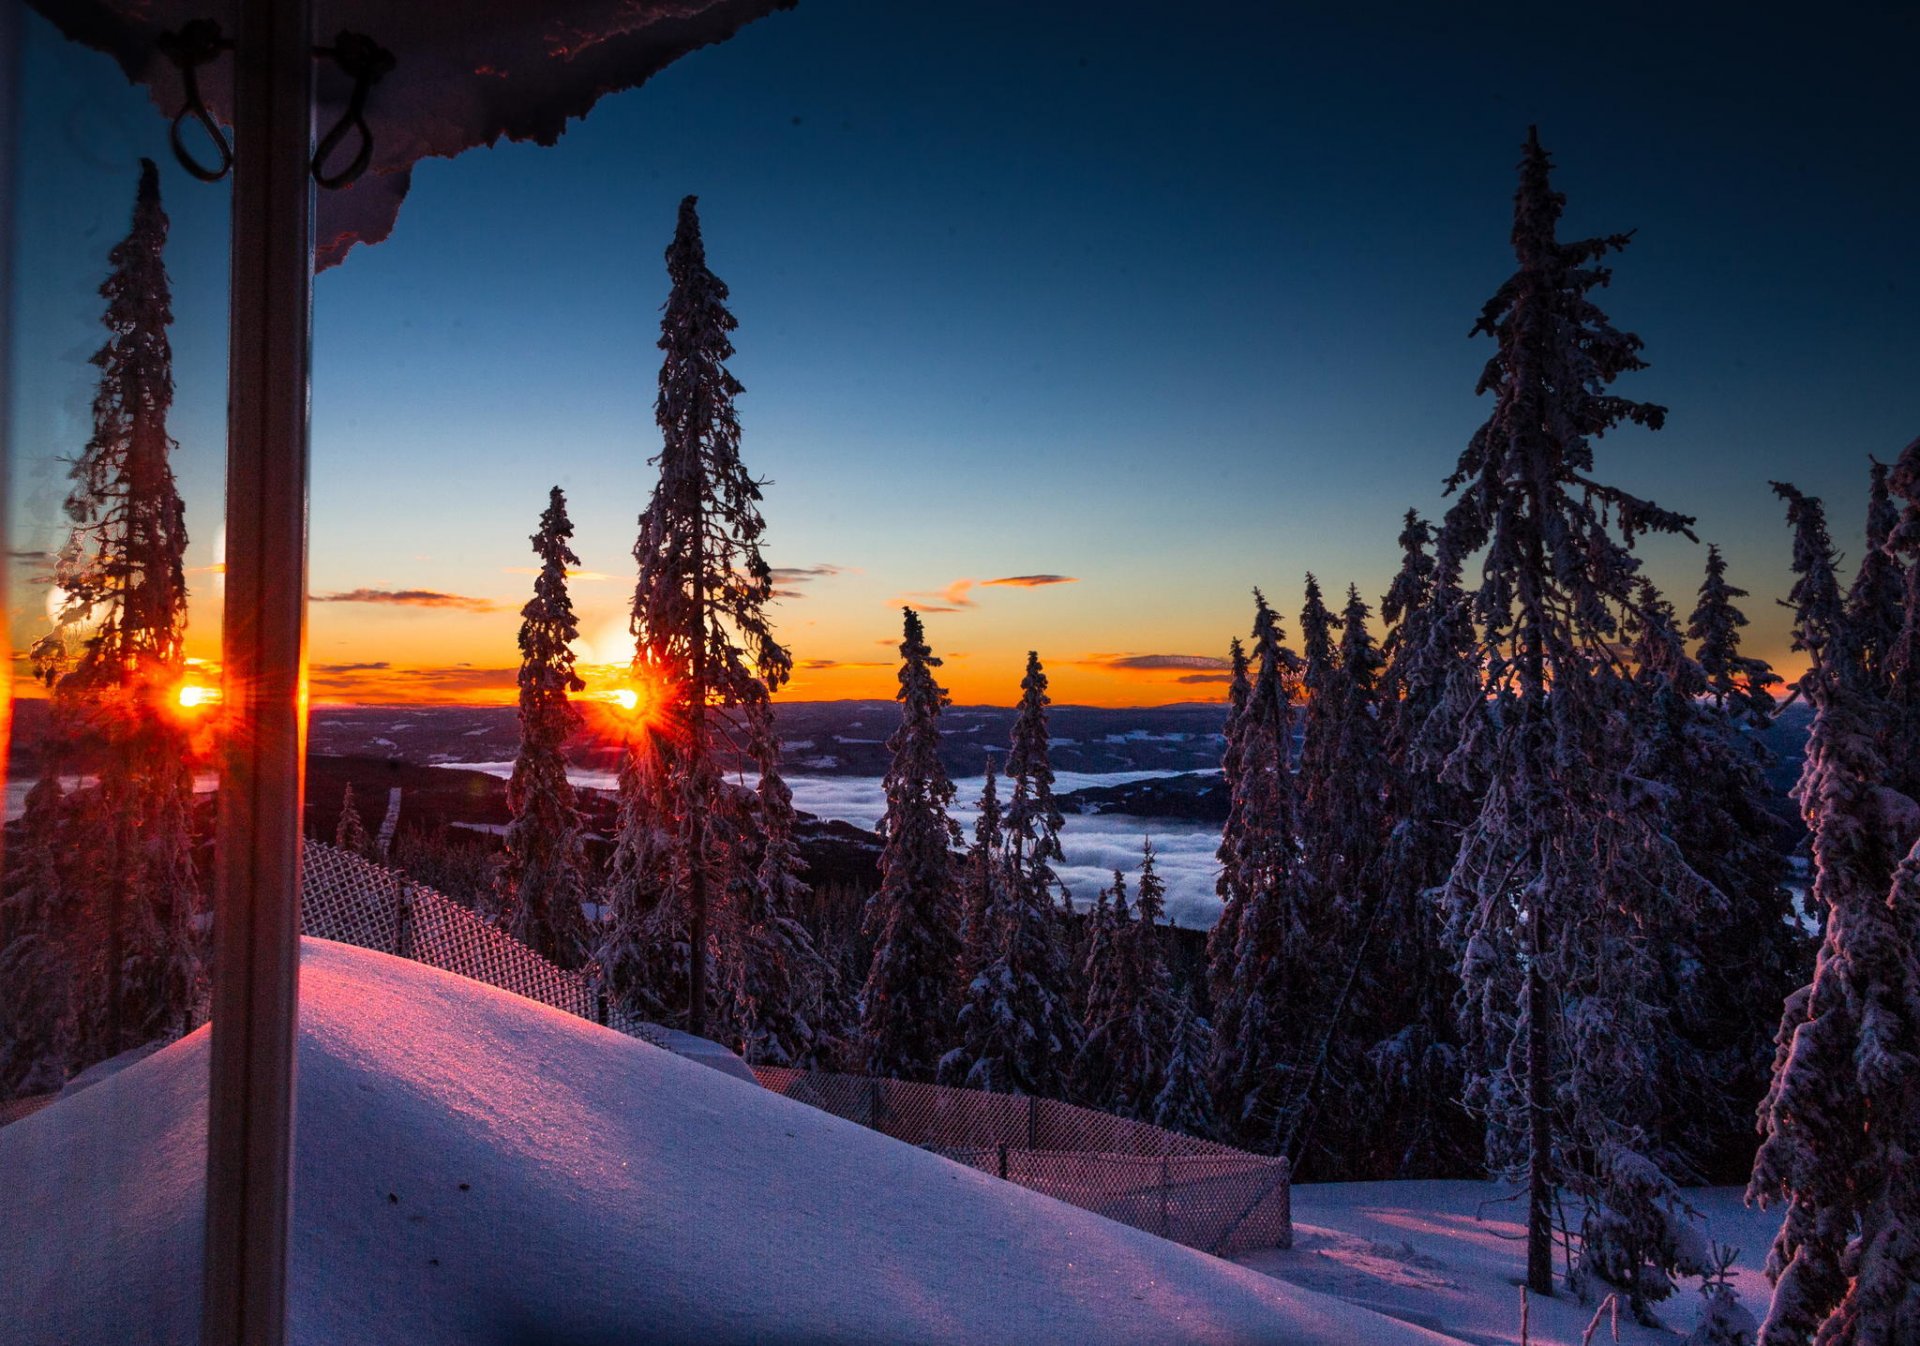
[
  {"x": 198, "y": 42},
  {"x": 365, "y": 62}
]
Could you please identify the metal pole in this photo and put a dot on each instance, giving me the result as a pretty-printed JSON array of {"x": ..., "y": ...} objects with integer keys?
[
  {"x": 257, "y": 909},
  {"x": 9, "y": 129}
]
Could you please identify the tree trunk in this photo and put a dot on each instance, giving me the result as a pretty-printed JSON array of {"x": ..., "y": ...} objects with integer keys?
[{"x": 1539, "y": 1124}]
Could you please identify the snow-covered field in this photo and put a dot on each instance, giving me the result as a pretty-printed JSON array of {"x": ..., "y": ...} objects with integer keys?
[
  {"x": 1450, "y": 1256},
  {"x": 475, "y": 1168},
  {"x": 1095, "y": 844}
]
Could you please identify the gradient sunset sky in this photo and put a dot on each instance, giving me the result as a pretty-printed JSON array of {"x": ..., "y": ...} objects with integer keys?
[{"x": 1067, "y": 323}]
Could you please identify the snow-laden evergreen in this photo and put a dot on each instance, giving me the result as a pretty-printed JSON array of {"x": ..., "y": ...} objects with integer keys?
[
  {"x": 1430, "y": 687},
  {"x": 1733, "y": 963},
  {"x": 705, "y": 657},
  {"x": 1842, "y": 1119},
  {"x": 39, "y": 1029},
  {"x": 1251, "y": 951},
  {"x": 1876, "y": 601},
  {"x": 908, "y": 1004},
  {"x": 980, "y": 874},
  {"x": 1565, "y": 867},
  {"x": 1185, "y": 1101},
  {"x": 1132, "y": 1016},
  {"x": 350, "y": 832},
  {"x": 1018, "y": 1033},
  {"x": 1344, "y": 1124},
  {"x": 114, "y": 662},
  {"x": 543, "y": 880},
  {"x": 784, "y": 1003}
]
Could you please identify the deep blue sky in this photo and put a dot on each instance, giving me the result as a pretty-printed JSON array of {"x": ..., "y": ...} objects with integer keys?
[{"x": 1172, "y": 304}]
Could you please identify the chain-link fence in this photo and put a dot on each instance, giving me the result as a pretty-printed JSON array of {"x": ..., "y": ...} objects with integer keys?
[
  {"x": 354, "y": 901},
  {"x": 1207, "y": 1196}
]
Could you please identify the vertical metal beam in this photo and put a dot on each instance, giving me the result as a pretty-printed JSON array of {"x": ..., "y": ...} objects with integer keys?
[
  {"x": 9, "y": 130},
  {"x": 257, "y": 911}
]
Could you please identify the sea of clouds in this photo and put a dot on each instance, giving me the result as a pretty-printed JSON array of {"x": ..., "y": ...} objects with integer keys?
[{"x": 1096, "y": 844}]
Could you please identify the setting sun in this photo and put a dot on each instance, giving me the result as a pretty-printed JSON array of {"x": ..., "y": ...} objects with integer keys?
[{"x": 192, "y": 695}]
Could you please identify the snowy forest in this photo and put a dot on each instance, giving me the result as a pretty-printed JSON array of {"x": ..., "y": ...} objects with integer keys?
[{"x": 1501, "y": 890}]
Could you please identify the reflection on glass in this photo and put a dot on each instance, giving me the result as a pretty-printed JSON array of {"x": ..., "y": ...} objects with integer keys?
[{"x": 116, "y": 458}]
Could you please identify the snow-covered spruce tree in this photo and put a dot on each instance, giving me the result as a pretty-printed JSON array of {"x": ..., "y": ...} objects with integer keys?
[
  {"x": 1902, "y": 676},
  {"x": 1565, "y": 865},
  {"x": 980, "y": 873},
  {"x": 907, "y": 1007},
  {"x": 705, "y": 650},
  {"x": 1104, "y": 975},
  {"x": 1430, "y": 689},
  {"x": 1876, "y": 602},
  {"x": 1226, "y": 884},
  {"x": 785, "y": 1004},
  {"x": 1185, "y": 1101},
  {"x": 1328, "y": 911},
  {"x": 544, "y": 880},
  {"x": 1017, "y": 1030},
  {"x": 1842, "y": 1119},
  {"x": 1344, "y": 827},
  {"x": 1135, "y": 1037},
  {"x": 1732, "y": 964},
  {"x": 37, "y": 1027},
  {"x": 1251, "y": 954},
  {"x": 113, "y": 662},
  {"x": 350, "y": 832}
]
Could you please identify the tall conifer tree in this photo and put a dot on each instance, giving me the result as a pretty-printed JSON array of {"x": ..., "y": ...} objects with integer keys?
[
  {"x": 1430, "y": 690},
  {"x": 705, "y": 650},
  {"x": 1018, "y": 1032},
  {"x": 1566, "y": 856},
  {"x": 114, "y": 662},
  {"x": 785, "y": 1002},
  {"x": 1251, "y": 952},
  {"x": 980, "y": 874},
  {"x": 1842, "y": 1119},
  {"x": 907, "y": 1006},
  {"x": 543, "y": 882}
]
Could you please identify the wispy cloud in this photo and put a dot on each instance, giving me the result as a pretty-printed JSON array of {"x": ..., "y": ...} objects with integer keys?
[
  {"x": 1156, "y": 663},
  {"x": 410, "y": 598},
  {"x": 788, "y": 580},
  {"x": 340, "y": 670},
  {"x": 958, "y": 596},
  {"x": 1033, "y": 581},
  {"x": 1205, "y": 677}
]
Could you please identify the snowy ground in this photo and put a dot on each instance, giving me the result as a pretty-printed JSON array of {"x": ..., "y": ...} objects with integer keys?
[
  {"x": 1449, "y": 1256},
  {"x": 475, "y": 1168},
  {"x": 1095, "y": 844}
]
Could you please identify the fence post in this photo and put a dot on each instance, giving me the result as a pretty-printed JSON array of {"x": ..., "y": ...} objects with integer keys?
[
  {"x": 600, "y": 1005},
  {"x": 1003, "y": 1161},
  {"x": 403, "y": 931},
  {"x": 1165, "y": 1181}
]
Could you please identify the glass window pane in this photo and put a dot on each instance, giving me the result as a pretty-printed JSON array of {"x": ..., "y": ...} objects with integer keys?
[{"x": 116, "y": 472}]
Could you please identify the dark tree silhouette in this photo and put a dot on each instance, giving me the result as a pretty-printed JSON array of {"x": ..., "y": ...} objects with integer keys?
[
  {"x": 907, "y": 1007},
  {"x": 543, "y": 880},
  {"x": 115, "y": 662},
  {"x": 705, "y": 651}
]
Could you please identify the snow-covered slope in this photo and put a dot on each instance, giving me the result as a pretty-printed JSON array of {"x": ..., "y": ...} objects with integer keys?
[
  {"x": 475, "y": 1168},
  {"x": 1451, "y": 1255}
]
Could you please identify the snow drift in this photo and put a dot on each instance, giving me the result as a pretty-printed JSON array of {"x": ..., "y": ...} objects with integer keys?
[{"x": 476, "y": 1168}]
